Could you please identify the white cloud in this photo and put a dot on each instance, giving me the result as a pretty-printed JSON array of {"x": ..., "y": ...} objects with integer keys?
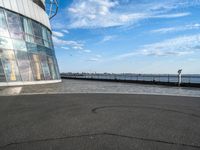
[
  {"x": 77, "y": 47},
  {"x": 58, "y": 34},
  {"x": 64, "y": 47},
  {"x": 107, "y": 38},
  {"x": 178, "y": 46},
  {"x": 178, "y": 28},
  {"x": 93, "y": 59},
  {"x": 175, "y": 15},
  {"x": 87, "y": 51},
  {"x": 65, "y": 31},
  {"x": 70, "y": 45},
  {"x": 109, "y": 13},
  {"x": 65, "y": 43}
]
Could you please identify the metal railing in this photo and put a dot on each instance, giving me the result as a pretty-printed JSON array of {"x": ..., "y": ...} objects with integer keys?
[{"x": 162, "y": 78}]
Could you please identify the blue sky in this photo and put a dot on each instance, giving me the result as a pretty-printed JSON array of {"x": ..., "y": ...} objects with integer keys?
[{"x": 134, "y": 36}]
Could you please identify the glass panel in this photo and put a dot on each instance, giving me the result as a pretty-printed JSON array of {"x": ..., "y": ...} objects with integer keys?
[
  {"x": 51, "y": 67},
  {"x": 6, "y": 43},
  {"x": 27, "y": 26},
  {"x": 29, "y": 38},
  {"x": 37, "y": 32},
  {"x": 10, "y": 66},
  {"x": 39, "y": 41},
  {"x": 24, "y": 66},
  {"x": 41, "y": 49},
  {"x": 3, "y": 25},
  {"x": 14, "y": 25},
  {"x": 31, "y": 47},
  {"x": 45, "y": 67},
  {"x": 44, "y": 33},
  {"x": 49, "y": 36},
  {"x": 56, "y": 68},
  {"x": 35, "y": 64},
  {"x": 49, "y": 39},
  {"x": 45, "y": 37},
  {"x": 2, "y": 75},
  {"x": 49, "y": 52},
  {"x": 19, "y": 45}
]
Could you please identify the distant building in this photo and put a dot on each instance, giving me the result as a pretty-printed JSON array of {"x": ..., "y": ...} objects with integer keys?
[{"x": 26, "y": 49}]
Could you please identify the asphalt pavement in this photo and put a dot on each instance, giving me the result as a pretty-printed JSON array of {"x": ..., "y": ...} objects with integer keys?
[{"x": 99, "y": 122}]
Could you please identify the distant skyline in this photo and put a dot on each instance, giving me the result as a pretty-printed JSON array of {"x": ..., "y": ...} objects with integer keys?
[{"x": 130, "y": 36}]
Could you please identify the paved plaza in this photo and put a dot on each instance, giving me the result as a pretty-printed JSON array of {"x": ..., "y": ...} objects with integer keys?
[{"x": 99, "y": 122}]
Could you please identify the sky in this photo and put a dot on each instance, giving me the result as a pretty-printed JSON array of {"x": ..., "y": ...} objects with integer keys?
[{"x": 128, "y": 36}]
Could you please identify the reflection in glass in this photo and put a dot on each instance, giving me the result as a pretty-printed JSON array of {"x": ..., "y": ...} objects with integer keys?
[
  {"x": 19, "y": 45},
  {"x": 24, "y": 66},
  {"x": 41, "y": 49},
  {"x": 35, "y": 64},
  {"x": 6, "y": 43},
  {"x": 10, "y": 66},
  {"x": 45, "y": 67},
  {"x": 14, "y": 25},
  {"x": 45, "y": 37},
  {"x": 27, "y": 26},
  {"x": 51, "y": 67},
  {"x": 38, "y": 33},
  {"x": 3, "y": 26},
  {"x": 2, "y": 75},
  {"x": 31, "y": 47},
  {"x": 56, "y": 68}
]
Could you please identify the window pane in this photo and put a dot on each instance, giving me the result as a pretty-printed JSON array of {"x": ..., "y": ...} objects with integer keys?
[
  {"x": 49, "y": 52},
  {"x": 2, "y": 75},
  {"x": 31, "y": 47},
  {"x": 37, "y": 32},
  {"x": 3, "y": 25},
  {"x": 6, "y": 43},
  {"x": 29, "y": 38},
  {"x": 24, "y": 66},
  {"x": 44, "y": 33},
  {"x": 14, "y": 25},
  {"x": 10, "y": 66},
  {"x": 38, "y": 41},
  {"x": 19, "y": 45},
  {"x": 35, "y": 64},
  {"x": 56, "y": 68},
  {"x": 51, "y": 67},
  {"x": 45, "y": 67},
  {"x": 27, "y": 26},
  {"x": 37, "y": 29},
  {"x": 49, "y": 39},
  {"x": 41, "y": 49},
  {"x": 45, "y": 37}
]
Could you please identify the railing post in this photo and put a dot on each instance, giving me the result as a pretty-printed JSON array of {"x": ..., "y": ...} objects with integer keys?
[{"x": 179, "y": 77}]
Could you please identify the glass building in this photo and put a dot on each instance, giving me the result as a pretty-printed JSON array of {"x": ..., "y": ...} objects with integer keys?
[{"x": 26, "y": 49}]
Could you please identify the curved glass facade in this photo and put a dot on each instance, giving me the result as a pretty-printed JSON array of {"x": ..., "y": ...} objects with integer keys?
[{"x": 26, "y": 50}]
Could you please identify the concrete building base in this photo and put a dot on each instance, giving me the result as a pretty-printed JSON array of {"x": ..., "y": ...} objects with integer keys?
[{"x": 28, "y": 83}]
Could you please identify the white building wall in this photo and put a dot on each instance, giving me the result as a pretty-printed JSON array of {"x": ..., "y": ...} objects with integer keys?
[{"x": 27, "y": 8}]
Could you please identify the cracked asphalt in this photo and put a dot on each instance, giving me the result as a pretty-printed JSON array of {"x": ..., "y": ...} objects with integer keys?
[{"x": 99, "y": 122}]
